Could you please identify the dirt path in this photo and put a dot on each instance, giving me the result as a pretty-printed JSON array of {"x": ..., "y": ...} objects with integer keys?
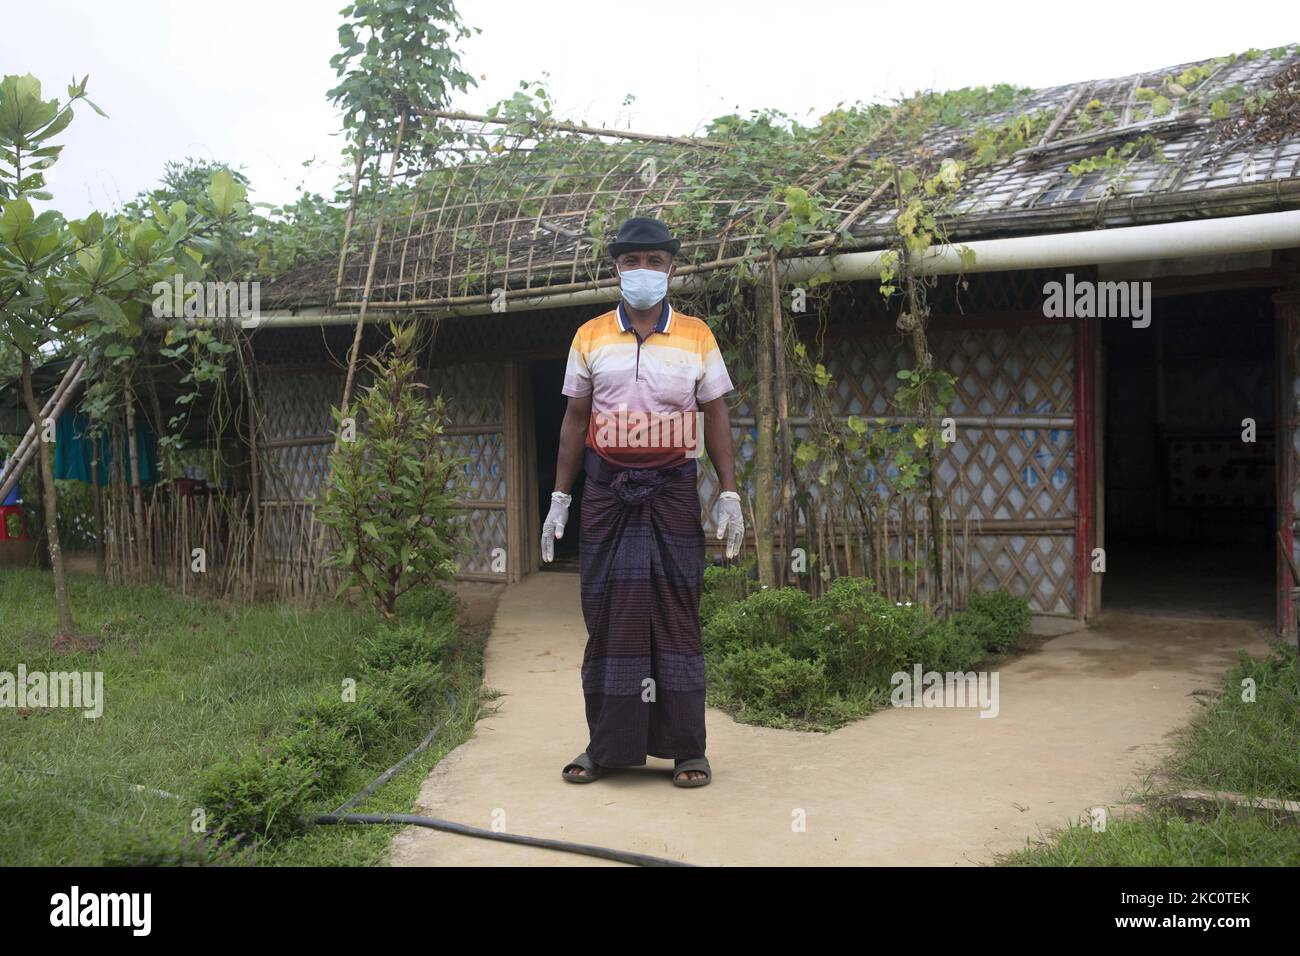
[{"x": 1079, "y": 720}]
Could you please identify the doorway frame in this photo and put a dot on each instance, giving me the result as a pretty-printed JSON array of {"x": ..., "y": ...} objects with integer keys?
[{"x": 1090, "y": 355}]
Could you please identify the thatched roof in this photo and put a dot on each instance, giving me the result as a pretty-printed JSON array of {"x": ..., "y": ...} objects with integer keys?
[{"x": 519, "y": 203}]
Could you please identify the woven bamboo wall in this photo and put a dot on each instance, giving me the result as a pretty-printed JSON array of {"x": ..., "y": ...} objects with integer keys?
[
  {"x": 297, "y": 392},
  {"x": 1008, "y": 482},
  {"x": 1001, "y": 472}
]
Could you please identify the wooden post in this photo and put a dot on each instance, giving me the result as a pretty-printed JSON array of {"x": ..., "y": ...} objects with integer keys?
[
  {"x": 255, "y": 466},
  {"x": 783, "y": 421},
  {"x": 97, "y": 494},
  {"x": 137, "y": 501},
  {"x": 764, "y": 452},
  {"x": 514, "y": 476},
  {"x": 528, "y": 465}
]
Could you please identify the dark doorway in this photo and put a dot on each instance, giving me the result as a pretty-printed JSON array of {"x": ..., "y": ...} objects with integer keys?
[
  {"x": 548, "y": 406},
  {"x": 1189, "y": 501}
]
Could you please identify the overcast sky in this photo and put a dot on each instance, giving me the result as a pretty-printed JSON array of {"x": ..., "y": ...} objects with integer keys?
[{"x": 244, "y": 81}]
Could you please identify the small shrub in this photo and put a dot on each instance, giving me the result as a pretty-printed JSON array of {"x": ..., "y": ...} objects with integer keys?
[
  {"x": 863, "y": 637},
  {"x": 256, "y": 796},
  {"x": 323, "y": 748},
  {"x": 998, "y": 619},
  {"x": 945, "y": 646},
  {"x": 390, "y": 495},
  {"x": 409, "y": 643},
  {"x": 768, "y": 682},
  {"x": 377, "y": 715},
  {"x": 430, "y": 605},
  {"x": 724, "y": 586},
  {"x": 776, "y": 616},
  {"x": 420, "y": 685}
]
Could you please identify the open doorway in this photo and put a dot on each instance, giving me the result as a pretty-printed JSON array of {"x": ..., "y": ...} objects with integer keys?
[
  {"x": 548, "y": 415},
  {"x": 1189, "y": 500}
]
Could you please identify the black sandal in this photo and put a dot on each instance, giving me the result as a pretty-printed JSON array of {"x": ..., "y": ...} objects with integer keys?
[
  {"x": 692, "y": 763},
  {"x": 594, "y": 770}
]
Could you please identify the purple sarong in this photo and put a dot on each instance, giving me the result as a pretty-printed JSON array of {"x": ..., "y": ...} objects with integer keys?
[{"x": 642, "y": 571}]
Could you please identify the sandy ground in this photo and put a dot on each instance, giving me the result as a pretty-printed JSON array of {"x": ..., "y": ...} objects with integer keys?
[{"x": 1080, "y": 719}]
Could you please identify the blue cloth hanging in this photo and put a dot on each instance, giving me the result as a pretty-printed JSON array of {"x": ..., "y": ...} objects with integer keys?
[{"x": 74, "y": 450}]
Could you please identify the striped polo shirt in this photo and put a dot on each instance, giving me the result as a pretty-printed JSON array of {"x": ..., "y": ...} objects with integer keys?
[{"x": 645, "y": 392}]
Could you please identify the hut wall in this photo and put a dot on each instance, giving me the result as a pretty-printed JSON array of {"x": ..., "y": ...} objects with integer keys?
[
  {"x": 300, "y": 377},
  {"x": 1008, "y": 482}
]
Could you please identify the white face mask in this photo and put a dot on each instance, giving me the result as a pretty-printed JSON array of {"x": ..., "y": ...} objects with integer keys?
[{"x": 643, "y": 288}]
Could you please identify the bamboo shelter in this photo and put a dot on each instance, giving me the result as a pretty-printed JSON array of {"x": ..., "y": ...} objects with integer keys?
[{"x": 490, "y": 230}]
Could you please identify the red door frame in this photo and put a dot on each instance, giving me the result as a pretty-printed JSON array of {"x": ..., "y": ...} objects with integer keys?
[{"x": 1285, "y": 305}]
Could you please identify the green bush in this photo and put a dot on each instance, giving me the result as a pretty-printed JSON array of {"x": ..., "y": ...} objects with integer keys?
[
  {"x": 724, "y": 586},
  {"x": 775, "y": 617},
  {"x": 420, "y": 685},
  {"x": 408, "y": 643},
  {"x": 323, "y": 748},
  {"x": 429, "y": 604},
  {"x": 777, "y": 655},
  {"x": 377, "y": 716},
  {"x": 256, "y": 796},
  {"x": 997, "y": 619},
  {"x": 863, "y": 637},
  {"x": 945, "y": 646},
  {"x": 767, "y": 682}
]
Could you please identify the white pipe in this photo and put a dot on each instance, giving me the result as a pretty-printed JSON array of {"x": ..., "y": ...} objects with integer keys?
[{"x": 1171, "y": 240}]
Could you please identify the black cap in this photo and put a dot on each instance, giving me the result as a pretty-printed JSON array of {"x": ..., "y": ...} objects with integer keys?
[{"x": 642, "y": 233}]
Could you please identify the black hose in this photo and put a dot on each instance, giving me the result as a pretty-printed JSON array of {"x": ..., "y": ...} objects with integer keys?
[
  {"x": 391, "y": 772},
  {"x": 620, "y": 856},
  {"x": 338, "y": 816}
]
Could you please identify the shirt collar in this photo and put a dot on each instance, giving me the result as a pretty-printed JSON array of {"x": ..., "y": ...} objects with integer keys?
[{"x": 665, "y": 317}]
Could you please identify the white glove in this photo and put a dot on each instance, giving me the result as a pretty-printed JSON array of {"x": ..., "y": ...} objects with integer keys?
[
  {"x": 553, "y": 527},
  {"x": 727, "y": 516}
]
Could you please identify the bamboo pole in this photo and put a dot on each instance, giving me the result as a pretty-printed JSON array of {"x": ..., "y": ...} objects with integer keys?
[
  {"x": 783, "y": 419},
  {"x": 137, "y": 499},
  {"x": 921, "y": 351},
  {"x": 97, "y": 495},
  {"x": 370, "y": 269},
  {"x": 764, "y": 453},
  {"x": 576, "y": 128},
  {"x": 347, "y": 224}
]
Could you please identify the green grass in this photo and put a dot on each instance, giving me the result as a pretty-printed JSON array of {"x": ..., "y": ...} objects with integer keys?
[
  {"x": 1243, "y": 746},
  {"x": 1237, "y": 745},
  {"x": 1162, "y": 839},
  {"x": 186, "y": 684}
]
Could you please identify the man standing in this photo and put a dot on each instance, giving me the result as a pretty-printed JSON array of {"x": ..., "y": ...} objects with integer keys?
[{"x": 640, "y": 379}]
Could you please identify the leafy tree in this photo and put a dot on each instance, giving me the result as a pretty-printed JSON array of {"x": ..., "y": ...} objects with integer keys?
[
  {"x": 78, "y": 284},
  {"x": 391, "y": 489},
  {"x": 396, "y": 59}
]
